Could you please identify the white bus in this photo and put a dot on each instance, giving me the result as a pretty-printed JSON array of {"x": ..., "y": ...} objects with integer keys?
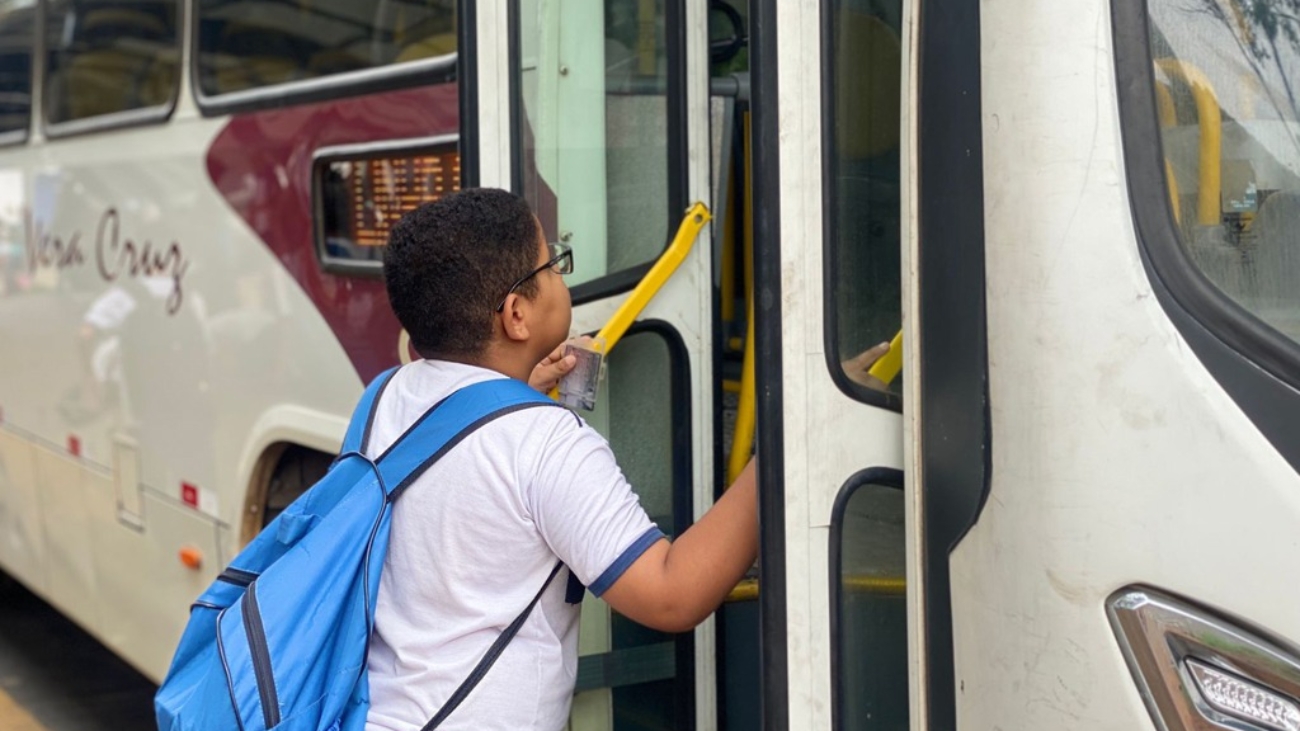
[{"x": 1076, "y": 508}]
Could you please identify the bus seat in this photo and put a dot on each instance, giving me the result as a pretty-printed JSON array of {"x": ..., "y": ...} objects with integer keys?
[
  {"x": 406, "y": 33},
  {"x": 108, "y": 52},
  {"x": 336, "y": 61},
  {"x": 253, "y": 56},
  {"x": 1275, "y": 261},
  {"x": 867, "y": 44},
  {"x": 435, "y": 45}
]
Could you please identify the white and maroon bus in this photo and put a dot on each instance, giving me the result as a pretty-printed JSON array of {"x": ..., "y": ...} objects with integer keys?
[{"x": 1076, "y": 508}]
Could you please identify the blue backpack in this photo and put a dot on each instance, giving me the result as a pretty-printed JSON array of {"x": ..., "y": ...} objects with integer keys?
[{"x": 279, "y": 640}]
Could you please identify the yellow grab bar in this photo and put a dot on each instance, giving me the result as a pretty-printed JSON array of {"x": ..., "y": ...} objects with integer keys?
[
  {"x": 742, "y": 435},
  {"x": 742, "y": 440},
  {"x": 696, "y": 216},
  {"x": 617, "y": 325},
  {"x": 748, "y": 589},
  {"x": 1209, "y": 118},
  {"x": 886, "y": 369}
]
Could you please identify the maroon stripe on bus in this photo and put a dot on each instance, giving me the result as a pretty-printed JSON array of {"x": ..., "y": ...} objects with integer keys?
[{"x": 261, "y": 162}]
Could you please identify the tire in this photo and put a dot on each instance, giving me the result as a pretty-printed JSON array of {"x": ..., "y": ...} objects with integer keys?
[{"x": 298, "y": 469}]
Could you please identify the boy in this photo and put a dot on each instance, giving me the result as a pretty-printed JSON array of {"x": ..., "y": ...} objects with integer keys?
[{"x": 481, "y": 293}]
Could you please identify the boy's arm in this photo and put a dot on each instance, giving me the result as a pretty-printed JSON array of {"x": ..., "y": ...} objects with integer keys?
[{"x": 674, "y": 586}]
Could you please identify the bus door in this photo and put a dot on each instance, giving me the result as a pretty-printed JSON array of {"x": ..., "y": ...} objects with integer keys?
[
  {"x": 829, "y": 195},
  {"x": 595, "y": 113}
]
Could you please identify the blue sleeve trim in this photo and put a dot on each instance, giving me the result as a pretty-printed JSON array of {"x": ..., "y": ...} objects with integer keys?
[{"x": 625, "y": 560}]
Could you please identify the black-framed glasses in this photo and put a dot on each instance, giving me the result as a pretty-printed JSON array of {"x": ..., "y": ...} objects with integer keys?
[{"x": 561, "y": 262}]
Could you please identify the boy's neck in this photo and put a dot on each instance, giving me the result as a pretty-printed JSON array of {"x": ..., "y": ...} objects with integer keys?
[{"x": 511, "y": 362}]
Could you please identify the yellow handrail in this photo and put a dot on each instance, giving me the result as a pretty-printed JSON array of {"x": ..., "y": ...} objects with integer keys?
[
  {"x": 742, "y": 435},
  {"x": 748, "y": 589},
  {"x": 1168, "y": 114},
  {"x": 614, "y": 329},
  {"x": 742, "y": 440},
  {"x": 693, "y": 222},
  {"x": 886, "y": 369},
  {"x": 1210, "y": 121}
]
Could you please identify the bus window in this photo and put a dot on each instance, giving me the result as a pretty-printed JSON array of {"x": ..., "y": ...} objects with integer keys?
[
  {"x": 248, "y": 44},
  {"x": 110, "y": 57},
  {"x": 860, "y": 142},
  {"x": 593, "y": 133},
  {"x": 15, "y": 66},
  {"x": 1226, "y": 93},
  {"x": 869, "y": 608}
]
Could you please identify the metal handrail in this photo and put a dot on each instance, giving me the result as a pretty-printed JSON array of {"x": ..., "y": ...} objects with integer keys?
[
  {"x": 1209, "y": 119},
  {"x": 627, "y": 313},
  {"x": 692, "y": 223}
]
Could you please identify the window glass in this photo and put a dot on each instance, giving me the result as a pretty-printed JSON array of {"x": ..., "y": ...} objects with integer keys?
[
  {"x": 627, "y": 672},
  {"x": 15, "y": 64},
  {"x": 871, "y": 686},
  {"x": 863, "y": 61},
  {"x": 593, "y": 132},
  {"x": 247, "y": 44},
  {"x": 106, "y": 57},
  {"x": 1226, "y": 77},
  {"x": 728, "y": 37}
]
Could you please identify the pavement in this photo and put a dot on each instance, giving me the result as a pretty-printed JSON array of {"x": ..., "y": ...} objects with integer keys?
[{"x": 55, "y": 677}]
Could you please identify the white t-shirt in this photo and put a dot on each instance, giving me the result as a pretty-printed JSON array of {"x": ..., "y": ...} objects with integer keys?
[{"x": 472, "y": 542}]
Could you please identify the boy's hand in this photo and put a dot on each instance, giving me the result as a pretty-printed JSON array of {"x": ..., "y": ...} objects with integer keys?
[
  {"x": 547, "y": 374},
  {"x": 857, "y": 367}
]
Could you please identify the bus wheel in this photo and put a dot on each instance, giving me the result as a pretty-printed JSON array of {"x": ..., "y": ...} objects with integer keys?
[{"x": 297, "y": 469}]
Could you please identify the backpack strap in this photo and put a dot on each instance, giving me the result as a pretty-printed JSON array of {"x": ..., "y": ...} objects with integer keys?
[
  {"x": 489, "y": 657},
  {"x": 363, "y": 417},
  {"x": 459, "y": 415}
]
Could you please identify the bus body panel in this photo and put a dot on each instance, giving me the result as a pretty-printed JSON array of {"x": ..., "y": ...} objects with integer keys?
[
  {"x": 1117, "y": 457},
  {"x": 153, "y": 312}
]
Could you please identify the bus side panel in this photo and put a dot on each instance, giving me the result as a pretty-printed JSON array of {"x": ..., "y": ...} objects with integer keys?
[
  {"x": 65, "y": 487},
  {"x": 133, "y": 618},
  {"x": 22, "y": 538},
  {"x": 184, "y": 366}
]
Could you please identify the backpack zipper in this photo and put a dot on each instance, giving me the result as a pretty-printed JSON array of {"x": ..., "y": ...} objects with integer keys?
[{"x": 261, "y": 658}]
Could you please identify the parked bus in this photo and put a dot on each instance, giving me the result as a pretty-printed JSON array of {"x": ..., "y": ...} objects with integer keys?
[{"x": 1066, "y": 500}]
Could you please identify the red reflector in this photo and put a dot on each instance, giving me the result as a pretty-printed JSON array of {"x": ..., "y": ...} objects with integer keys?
[
  {"x": 74, "y": 446},
  {"x": 189, "y": 495}
]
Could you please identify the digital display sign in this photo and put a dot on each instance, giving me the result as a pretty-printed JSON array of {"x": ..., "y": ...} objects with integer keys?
[{"x": 361, "y": 194}]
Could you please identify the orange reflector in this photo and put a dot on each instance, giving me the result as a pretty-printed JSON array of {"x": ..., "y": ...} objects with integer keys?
[{"x": 191, "y": 557}]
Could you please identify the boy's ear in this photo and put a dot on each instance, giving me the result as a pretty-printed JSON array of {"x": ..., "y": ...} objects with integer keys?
[{"x": 514, "y": 317}]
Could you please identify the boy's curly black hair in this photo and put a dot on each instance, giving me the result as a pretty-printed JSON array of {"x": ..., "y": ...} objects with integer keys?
[{"x": 450, "y": 262}]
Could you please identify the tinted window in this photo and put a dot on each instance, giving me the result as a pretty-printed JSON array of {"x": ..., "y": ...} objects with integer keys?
[
  {"x": 1226, "y": 76},
  {"x": 863, "y": 62},
  {"x": 871, "y": 610},
  {"x": 638, "y": 677},
  {"x": 594, "y": 129},
  {"x": 15, "y": 64},
  {"x": 108, "y": 57},
  {"x": 247, "y": 44}
]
